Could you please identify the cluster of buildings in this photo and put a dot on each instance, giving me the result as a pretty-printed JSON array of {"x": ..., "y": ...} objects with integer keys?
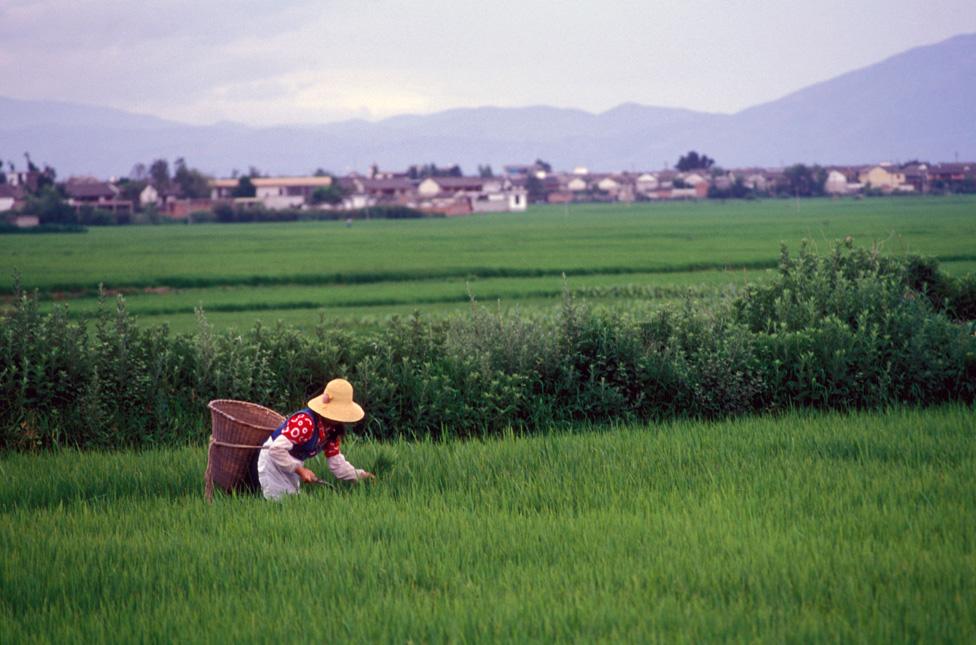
[
  {"x": 445, "y": 195},
  {"x": 919, "y": 178},
  {"x": 458, "y": 195}
]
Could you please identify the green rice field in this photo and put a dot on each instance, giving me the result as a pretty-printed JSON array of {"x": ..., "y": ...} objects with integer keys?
[
  {"x": 801, "y": 528},
  {"x": 301, "y": 272}
]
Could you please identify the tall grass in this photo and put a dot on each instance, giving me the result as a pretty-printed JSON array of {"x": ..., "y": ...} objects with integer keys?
[{"x": 797, "y": 528}]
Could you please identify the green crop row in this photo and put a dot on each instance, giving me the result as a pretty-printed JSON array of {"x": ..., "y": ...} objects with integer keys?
[
  {"x": 850, "y": 329},
  {"x": 638, "y": 286},
  {"x": 814, "y": 528},
  {"x": 580, "y": 240}
]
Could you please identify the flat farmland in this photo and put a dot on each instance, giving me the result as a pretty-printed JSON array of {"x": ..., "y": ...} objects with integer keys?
[
  {"x": 800, "y": 528},
  {"x": 610, "y": 253}
]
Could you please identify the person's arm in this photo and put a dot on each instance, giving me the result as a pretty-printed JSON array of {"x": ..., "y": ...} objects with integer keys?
[
  {"x": 278, "y": 453},
  {"x": 342, "y": 469},
  {"x": 338, "y": 465},
  {"x": 299, "y": 429}
]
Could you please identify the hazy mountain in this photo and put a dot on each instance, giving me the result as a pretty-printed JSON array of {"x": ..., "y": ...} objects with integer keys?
[
  {"x": 18, "y": 113},
  {"x": 920, "y": 103}
]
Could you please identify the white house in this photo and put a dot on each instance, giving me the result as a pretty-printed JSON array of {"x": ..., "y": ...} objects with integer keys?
[
  {"x": 646, "y": 183},
  {"x": 274, "y": 193},
  {"x": 472, "y": 186},
  {"x": 287, "y": 192},
  {"x": 149, "y": 196},
  {"x": 836, "y": 183},
  {"x": 485, "y": 194},
  {"x": 576, "y": 184}
]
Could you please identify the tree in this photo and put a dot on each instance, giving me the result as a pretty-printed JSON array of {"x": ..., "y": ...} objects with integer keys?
[
  {"x": 485, "y": 172},
  {"x": 131, "y": 189},
  {"x": 432, "y": 170},
  {"x": 245, "y": 188},
  {"x": 800, "y": 180},
  {"x": 692, "y": 161},
  {"x": 535, "y": 188},
  {"x": 50, "y": 207},
  {"x": 159, "y": 175},
  {"x": 543, "y": 166},
  {"x": 193, "y": 183},
  {"x": 737, "y": 190},
  {"x": 139, "y": 172},
  {"x": 332, "y": 194}
]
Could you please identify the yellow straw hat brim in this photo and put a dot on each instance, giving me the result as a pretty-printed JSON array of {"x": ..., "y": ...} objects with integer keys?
[{"x": 341, "y": 411}]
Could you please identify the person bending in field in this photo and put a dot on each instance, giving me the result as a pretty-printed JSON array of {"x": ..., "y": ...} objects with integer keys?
[{"x": 319, "y": 427}]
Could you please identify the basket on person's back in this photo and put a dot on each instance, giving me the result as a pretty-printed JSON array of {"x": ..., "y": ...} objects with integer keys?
[{"x": 239, "y": 430}]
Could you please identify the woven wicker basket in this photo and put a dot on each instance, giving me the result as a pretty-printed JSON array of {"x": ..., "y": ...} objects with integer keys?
[{"x": 238, "y": 430}]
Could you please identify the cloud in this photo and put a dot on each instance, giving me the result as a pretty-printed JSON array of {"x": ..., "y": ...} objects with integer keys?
[
  {"x": 310, "y": 60},
  {"x": 93, "y": 25},
  {"x": 315, "y": 96}
]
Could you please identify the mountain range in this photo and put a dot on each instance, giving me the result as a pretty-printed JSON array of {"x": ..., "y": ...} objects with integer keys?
[{"x": 920, "y": 104}]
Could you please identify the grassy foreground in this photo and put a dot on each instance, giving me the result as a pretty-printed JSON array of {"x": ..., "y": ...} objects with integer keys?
[{"x": 798, "y": 528}]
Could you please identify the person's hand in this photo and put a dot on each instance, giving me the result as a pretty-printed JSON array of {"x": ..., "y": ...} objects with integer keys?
[
  {"x": 367, "y": 475},
  {"x": 307, "y": 475}
]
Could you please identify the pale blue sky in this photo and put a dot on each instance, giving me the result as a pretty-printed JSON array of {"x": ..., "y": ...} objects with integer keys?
[{"x": 265, "y": 62}]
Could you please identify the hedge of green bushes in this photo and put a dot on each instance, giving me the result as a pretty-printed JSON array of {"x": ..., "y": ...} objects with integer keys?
[
  {"x": 847, "y": 330},
  {"x": 226, "y": 213}
]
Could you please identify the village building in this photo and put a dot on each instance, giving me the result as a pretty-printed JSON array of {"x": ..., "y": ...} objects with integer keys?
[
  {"x": 647, "y": 183},
  {"x": 10, "y": 196},
  {"x": 274, "y": 193},
  {"x": 481, "y": 194},
  {"x": 149, "y": 196},
  {"x": 577, "y": 185},
  {"x": 362, "y": 192},
  {"x": 836, "y": 183},
  {"x": 26, "y": 221},
  {"x": 949, "y": 176},
  {"x": 181, "y": 209},
  {"x": 917, "y": 176},
  {"x": 277, "y": 193},
  {"x": 883, "y": 177},
  {"x": 95, "y": 194},
  {"x": 434, "y": 186}
]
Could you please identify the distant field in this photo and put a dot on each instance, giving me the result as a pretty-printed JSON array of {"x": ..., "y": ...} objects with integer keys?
[
  {"x": 293, "y": 271},
  {"x": 803, "y": 528},
  {"x": 363, "y": 303}
]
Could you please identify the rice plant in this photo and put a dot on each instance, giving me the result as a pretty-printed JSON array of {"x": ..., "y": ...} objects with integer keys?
[{"x": 798, "y": 527}]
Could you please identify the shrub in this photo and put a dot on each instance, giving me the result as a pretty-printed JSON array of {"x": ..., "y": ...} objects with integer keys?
[{"x": 850, "y": 329}]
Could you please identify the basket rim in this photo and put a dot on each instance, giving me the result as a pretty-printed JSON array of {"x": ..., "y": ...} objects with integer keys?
[{"x": 212, "y": 406}]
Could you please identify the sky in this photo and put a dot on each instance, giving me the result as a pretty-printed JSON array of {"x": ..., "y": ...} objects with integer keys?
[{"x": 266, "y": 62}]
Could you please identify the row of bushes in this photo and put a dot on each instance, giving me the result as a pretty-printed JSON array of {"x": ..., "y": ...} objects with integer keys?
[
  {"x": 222, "y": 213},
  {"x": 226, "y": 213},
  {"x": 12, "y": 229},
  {"x": 847, "y": 330}
]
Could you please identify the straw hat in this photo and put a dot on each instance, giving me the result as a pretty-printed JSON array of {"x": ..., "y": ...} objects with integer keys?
[{"x": 336, "y": 403}]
